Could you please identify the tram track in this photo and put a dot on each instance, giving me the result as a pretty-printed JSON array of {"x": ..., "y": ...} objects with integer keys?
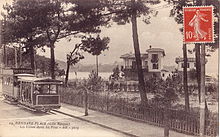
[
  {"x": 92, "y": 122},
  {"x": 55, "y": 112},
  {"x": 60, "y": 112}
]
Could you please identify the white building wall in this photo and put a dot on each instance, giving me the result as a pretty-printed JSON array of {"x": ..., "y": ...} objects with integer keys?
[
  {"x": 150, "y": 64},
  {"x": 128, "y": 62},
  {"x": 191, "y": 66}
]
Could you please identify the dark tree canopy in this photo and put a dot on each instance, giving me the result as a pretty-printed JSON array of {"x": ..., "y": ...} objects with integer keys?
[
  {"x": 94, "y": 46},
  {"x": 22, "y": 21}
]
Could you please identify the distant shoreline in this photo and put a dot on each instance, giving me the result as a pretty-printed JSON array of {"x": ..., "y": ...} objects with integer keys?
[
  {"x": 85, "y": 75},
  {"x": 91, "y": 71}
]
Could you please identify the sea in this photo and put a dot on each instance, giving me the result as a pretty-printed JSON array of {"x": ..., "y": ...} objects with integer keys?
[{"x": 85, "y": 75}]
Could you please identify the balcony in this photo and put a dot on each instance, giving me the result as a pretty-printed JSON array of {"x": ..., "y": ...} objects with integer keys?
[{"x": 134, "y": 68}]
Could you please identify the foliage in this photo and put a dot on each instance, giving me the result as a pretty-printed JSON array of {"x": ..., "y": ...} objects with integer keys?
[
  {"x": 123, "y": 10},
  {"x": 74, "y": 56},
  {"x": 22, "y": 20},
  {"x": 126, "y": 11},
  {"x": 42, "y": 63},
  {"x": 211, "y": 88},
  {"x": 44, "y": 22},
  {"x": 94, "y": 82},
  {"x": 10, "y": 54},
  {"x": 116, "y": 73},
  {"x": 166, "y": 91},
  {"x": 21, "y": 24},
  {"x": 88, "y": 16},
  {"x": 192, "y": 74},
  {"x": 167, "y": 97},
  {"x": 60, "y": 72},
  {"x": 94, "y": 46}
]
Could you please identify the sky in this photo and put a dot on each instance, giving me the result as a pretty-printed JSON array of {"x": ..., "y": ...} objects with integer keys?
[{"x": 163, "y": 32}]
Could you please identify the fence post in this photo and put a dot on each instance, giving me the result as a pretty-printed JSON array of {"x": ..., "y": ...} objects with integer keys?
[
  {"x": 125, "y": 87},
  {"x": 167, "y": 119},
  {"x": 86, "y": 102},
  {"x": 107, "y": 100}
]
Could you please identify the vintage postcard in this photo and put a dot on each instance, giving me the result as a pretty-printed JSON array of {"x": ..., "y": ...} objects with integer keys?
[{"x": 109, "y": 68}]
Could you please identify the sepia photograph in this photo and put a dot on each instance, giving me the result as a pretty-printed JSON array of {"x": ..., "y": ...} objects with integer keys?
[{"x": 109, "y": 68}]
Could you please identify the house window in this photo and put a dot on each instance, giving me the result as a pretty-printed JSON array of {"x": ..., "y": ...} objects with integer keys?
[
  {"x": 134, "y": 65},
  {"x": 194, "y": 64},
  {"x": 154, "y": 58},
  {"x": 155, "y": 66},
  {"x": 146, "y": 63},
  {"x": 182, "y": 65},
  {"x": 187, "y": 65}
]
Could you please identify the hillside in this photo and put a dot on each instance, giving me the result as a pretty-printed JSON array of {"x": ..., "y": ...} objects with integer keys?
[
  {"x": 102, "y": 67},
  {"x": 88, "y": 67}
]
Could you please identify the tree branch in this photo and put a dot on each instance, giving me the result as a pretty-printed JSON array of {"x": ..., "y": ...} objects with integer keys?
[
  {"x": 69, "y": 34},
  {"x": 48, "y": 36}
]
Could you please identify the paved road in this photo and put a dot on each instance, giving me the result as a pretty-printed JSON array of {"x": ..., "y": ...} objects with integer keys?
[{"x": 19, "y": 122}]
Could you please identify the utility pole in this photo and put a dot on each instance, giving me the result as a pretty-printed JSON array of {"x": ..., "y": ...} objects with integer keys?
[
  {"x": 5, "y": 58},
  {"x": 1, "y": 48},
  {"x": 197, "y": 57},
  {"x": 5, "y": 62},
  {"x": 97, "y": 65},
  {"x": 185, "y": 79},
  {"x": 1, "y": 56},
  {"x": 202, "y": 102},
  {"x": 20, "y": 56},
  {"x": 16, "y": 57}
]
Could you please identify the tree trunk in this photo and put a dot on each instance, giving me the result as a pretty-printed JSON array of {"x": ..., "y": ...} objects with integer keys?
[
  {"x": 5, "y": 56},
  {"x": 16, "y": 57},
  {"x": 185, "y": 81},
  {"x": 97, "y": 65},
  {"x": 20, "y": 57},
  {"x": 43, "y": 68},
  {"x": 67, "y": 73},
  {"x": 32, "y": 57},
  {"x": 202, "y": 103},
  {"x": 138, "y": 57},
  {"x": 198, "y": 68},
  {"x": 52, "y": 61}
]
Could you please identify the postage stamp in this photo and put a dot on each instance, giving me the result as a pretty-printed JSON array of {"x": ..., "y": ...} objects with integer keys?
[{"x": 198, "y": 24}]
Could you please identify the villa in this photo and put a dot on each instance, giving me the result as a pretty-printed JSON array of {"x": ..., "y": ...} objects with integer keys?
[
  {"x": 191, "y": 63},
  {"x": 152, "y": 63}
]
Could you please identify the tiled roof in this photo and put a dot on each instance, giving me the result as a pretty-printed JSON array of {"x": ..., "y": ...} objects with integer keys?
[
  {"x": 180, "y": 59},
  {"x": 131, "y": 56},
  {"x": 35, "y": 79},
  {"x": 156, "y": 50}
]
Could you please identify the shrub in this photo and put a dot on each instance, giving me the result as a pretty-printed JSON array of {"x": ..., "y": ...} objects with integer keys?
[{"x": 94, "y": 83}]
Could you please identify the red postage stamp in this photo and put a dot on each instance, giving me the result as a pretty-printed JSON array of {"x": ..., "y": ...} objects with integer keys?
[{"x": 198, "y": 24}]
